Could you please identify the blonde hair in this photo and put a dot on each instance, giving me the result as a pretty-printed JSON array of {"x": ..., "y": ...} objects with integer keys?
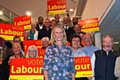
[
  {"x": 32, "y": 47},
  {"x": 52, "y": 41}
]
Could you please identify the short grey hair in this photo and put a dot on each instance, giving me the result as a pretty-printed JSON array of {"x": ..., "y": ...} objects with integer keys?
[
  {"x": 107, "y": 36},
  {"x": 45, "y": 38}
]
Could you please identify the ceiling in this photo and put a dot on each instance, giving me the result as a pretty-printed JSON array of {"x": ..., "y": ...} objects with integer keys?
[
  {"x": 37, "y": 7},
  {"x": 110, "y": 24}
]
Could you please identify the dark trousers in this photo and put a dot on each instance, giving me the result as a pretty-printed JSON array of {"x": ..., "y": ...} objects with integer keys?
[{"x": 83, "y": 78}]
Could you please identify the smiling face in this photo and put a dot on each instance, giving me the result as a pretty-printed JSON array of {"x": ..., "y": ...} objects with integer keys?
[
  {"x": 32, "y": 53},
  {"x": 77, "y": 28},
  {"x": 45, "y": 43},
  {"x": 47, "y": 23},
  {"x": 75, "y": 43},
  {"x": 16, "y": 48},
  {"x": 87, "y": 40},
  {"x": 58, "y": 34},
  {"x": 107, "y": 43}
]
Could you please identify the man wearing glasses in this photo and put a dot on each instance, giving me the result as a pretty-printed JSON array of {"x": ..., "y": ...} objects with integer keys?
[{"x": 89, "y": 49}]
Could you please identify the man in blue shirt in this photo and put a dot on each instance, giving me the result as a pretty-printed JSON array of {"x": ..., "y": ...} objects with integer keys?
[{"x": 89, "y": 49}]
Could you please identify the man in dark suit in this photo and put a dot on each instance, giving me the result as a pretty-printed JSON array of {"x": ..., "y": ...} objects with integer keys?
[{"x": 46, "y": 31}]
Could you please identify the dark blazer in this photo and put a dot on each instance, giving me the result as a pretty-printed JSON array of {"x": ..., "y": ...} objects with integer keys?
[
  {"x": 44, "y": 33},
  {"x": 37, "y": 27}
]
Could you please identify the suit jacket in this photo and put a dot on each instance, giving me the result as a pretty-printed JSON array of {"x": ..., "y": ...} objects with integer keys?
[{"x": 38, "y": 28}]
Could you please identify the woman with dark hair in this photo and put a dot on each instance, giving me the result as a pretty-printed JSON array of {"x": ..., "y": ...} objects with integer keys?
[{"x": 75, "y": 44}]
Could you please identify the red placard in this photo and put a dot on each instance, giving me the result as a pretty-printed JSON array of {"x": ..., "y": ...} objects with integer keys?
[
  {"x": 89, "y": 25},
  {"x": 56, "y": 6},
  {"x": 9, "y": 31},
  {"x": 35, "y": 43},
  {"x": 83, "y": 66},
  {"x": 24, "y": 21},
  {"x": 26, "y": 69}
]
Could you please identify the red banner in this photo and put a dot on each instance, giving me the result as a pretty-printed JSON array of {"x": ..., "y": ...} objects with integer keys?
[
  {"x": 26, "y": 69},
  {"x": 83, "y": 67},
  {"x": 89, "y": 25},
  {"x": 36, "y": 44},
  {"x": 9, "y": 31},
  {"x": 24, "y": 21},
  {"x": 56, "y": 6}
]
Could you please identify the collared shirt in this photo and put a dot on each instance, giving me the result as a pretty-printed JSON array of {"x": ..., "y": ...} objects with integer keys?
[
  {"x": 40, "y": 27},
  {"x": 59, "y": 63},
  {"x": 79, "y": 53},
  {"x": 89, "y": 51},
  {"x": 66, "y": 27}
]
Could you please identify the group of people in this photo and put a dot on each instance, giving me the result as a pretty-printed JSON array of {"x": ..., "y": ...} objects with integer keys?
[{"x": 59, "y": 57}]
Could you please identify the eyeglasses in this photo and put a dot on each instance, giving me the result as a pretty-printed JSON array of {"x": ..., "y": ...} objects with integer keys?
[
  {"x": 75, "y": 40},
  {"x": 32, "y": 51},
  {"x": 87, "y": 39},
  {"x": 17, "y": 41}
]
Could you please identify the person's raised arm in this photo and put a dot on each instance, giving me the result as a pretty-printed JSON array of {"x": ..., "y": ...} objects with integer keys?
[
  {"x": 47, "y": 14},
  {"x": 68, "y": 15}
]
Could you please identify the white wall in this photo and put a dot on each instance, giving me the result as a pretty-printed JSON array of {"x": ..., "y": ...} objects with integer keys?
[
  {"x": 95, "y": 8},
  {"x": 37, "y": 7}
]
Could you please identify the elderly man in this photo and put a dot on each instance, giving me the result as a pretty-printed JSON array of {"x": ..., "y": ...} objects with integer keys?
[
  {"x": 45, "y": 42},
  {"x": 104, "y": 60},
  {"x": 77, "y": 30},
  {"x": 88, "y": 48}
]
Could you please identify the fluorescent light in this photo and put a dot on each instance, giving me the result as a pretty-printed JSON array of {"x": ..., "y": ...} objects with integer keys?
[
  {"x": 1, "y": 13},
  {"x": 71, "y": 10},
  {"x": 28, "y": 13},
  {"x": 116, "y": 42}
]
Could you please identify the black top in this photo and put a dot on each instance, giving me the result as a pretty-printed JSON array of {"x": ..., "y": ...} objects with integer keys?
[{"x": 44, "y": 33}]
